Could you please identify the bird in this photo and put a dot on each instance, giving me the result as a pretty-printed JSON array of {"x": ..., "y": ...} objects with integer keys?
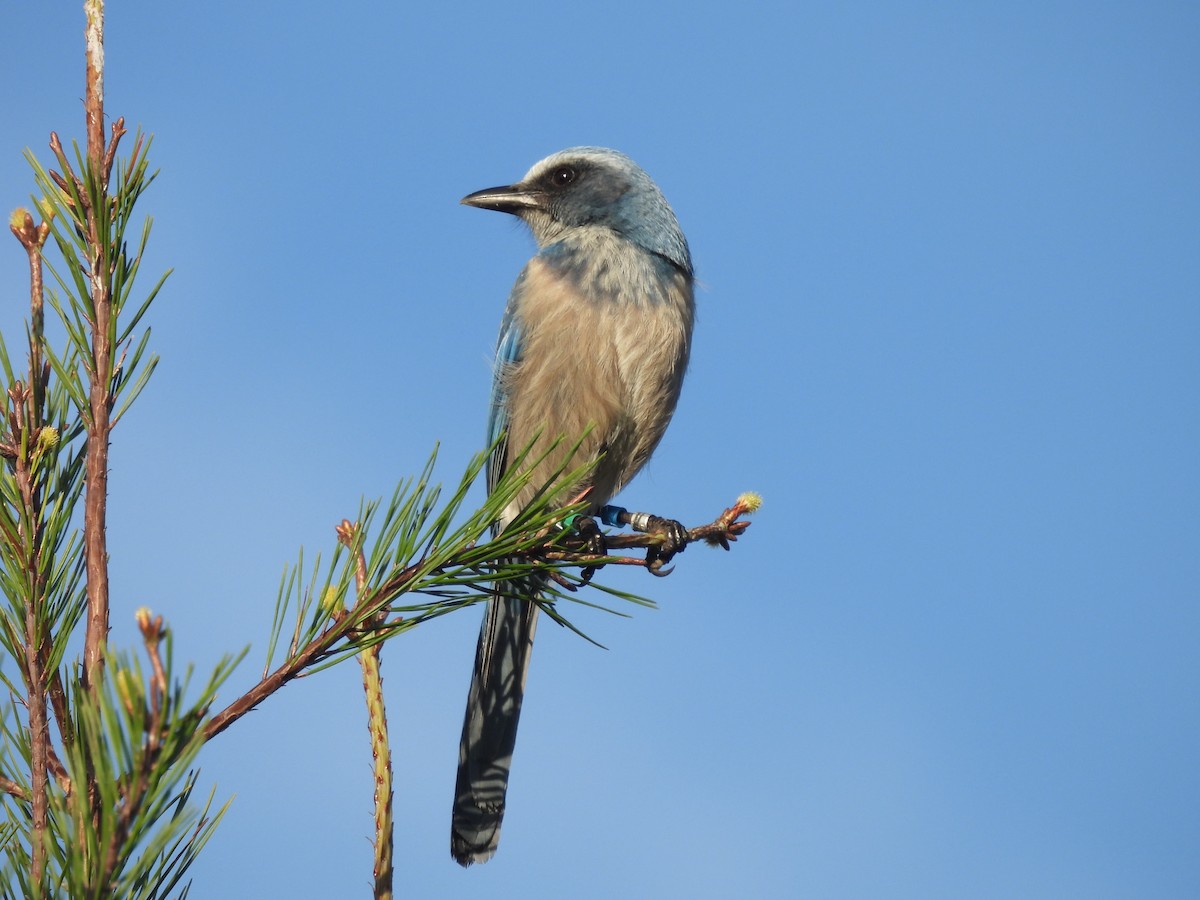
[{"x": 593, "y": 344}]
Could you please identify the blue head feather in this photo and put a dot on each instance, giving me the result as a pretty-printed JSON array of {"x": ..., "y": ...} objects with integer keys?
[{"x": 592, "y": 187}]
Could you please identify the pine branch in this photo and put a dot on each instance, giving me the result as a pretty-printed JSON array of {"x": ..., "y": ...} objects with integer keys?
[
  {"x": 136, "y": 742},
  {"x": 25, "y": 421},
  {"x": 465, "y": 574}
]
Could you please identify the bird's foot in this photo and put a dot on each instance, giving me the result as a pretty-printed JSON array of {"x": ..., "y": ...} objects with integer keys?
[
  {"x": 673, "y": 533},
  {"x": 588, "y": 538},
  {"x": 674, "y": 540}
]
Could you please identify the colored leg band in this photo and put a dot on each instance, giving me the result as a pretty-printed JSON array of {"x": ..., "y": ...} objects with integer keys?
[{"x": 611, "y": 515}]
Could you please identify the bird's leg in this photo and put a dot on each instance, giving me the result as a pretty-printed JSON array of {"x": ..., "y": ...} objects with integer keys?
[
  {"x": 591, "y": 539},
  {"x": 674, "y": 534},
  {"x": 591, "y": 536}
]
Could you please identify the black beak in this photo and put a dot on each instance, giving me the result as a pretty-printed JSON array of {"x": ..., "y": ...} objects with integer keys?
[{"x": 512, "y": 198}]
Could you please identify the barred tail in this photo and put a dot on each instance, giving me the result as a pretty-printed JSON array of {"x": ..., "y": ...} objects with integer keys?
[{"x": 490, "y": 727}]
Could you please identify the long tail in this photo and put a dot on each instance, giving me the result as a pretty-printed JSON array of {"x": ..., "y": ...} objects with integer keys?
[{"x": 490, "y": 727}]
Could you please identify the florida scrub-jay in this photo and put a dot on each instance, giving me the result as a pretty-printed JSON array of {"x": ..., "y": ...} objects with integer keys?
[{"x": 596, "y": 334}]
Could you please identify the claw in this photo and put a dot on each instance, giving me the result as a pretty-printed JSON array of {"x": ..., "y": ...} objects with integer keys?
[
  {"x": 563, "y": 582},
  {"x": 656, "y": 568}
]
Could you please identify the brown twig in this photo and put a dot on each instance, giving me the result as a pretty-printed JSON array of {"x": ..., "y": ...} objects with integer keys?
[
  {"x": 94, "y": 78},
  {"x": 39, "y": 758},
  {"x": 59, "y": 771},
  {"x": 33, "y": 238},
  {"x": 346, "y": 532},
  {"x": 100, "y": 159},
  {"x": 133, "y": 789},
  {"x": 152, "y": 634},
  {"x": 110, "y": 155},
  {"x": 8, "y": 786},
  {"x": 62, "y": 713},
  {"x": 371, "y": 661},
  {"x": 293, "y": 668},
  {"x": 25, "y": 420}
]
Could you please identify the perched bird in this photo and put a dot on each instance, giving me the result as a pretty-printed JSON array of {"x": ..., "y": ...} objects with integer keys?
[{"x": 596, "y": 334}]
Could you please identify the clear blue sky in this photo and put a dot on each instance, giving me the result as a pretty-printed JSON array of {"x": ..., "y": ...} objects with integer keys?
[{"x": 949, "y": 329}]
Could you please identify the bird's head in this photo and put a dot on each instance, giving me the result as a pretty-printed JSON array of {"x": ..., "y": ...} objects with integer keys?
[{"x": 591, "y": 187}]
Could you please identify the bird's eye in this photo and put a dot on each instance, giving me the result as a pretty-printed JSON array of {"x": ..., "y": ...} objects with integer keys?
[{"x": 562, "y": 176}]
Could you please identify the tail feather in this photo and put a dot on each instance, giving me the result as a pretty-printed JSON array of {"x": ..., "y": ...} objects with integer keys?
[{"x": 490, "y": 727}]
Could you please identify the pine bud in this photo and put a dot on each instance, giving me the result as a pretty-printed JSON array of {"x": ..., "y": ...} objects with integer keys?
[
  {"x": 750, "y": 501},
  {"x": 47, "y": 438}
]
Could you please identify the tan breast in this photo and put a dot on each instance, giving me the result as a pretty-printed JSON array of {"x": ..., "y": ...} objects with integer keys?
[{"x": 611, "y": 365}]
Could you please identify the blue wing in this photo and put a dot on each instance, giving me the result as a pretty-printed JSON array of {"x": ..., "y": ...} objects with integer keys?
[{"x": 508, "y": 354}]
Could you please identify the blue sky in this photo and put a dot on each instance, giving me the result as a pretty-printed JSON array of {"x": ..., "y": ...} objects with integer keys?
[{"x": 949, "y": 325}]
